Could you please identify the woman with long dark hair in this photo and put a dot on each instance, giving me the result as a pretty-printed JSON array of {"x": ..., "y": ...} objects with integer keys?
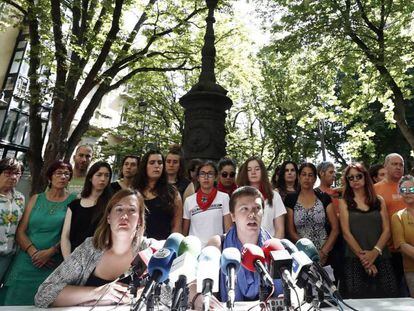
[
  {"x": 163, "y": 202},
  {"x": 311, "y": 214},
  {"x": 84, "y": 214},
  {"x": 253, "y": 173},
  {"x": 368, "y": 271},
  {"x": 287, "y": 181}
]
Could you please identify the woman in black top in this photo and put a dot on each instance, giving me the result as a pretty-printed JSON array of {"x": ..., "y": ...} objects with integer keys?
[
  {"x": 84, "y": 214},
  {"x": 368, "y": 272},
  {"x": 175, "y": 169},
  {"x": 129, "y": 169},
  {"x": 287, "y": 180},
  {"x": 164, "y": 206}
]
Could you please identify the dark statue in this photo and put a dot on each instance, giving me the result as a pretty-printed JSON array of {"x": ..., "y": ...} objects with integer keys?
[{"x": 206, "y": 104}]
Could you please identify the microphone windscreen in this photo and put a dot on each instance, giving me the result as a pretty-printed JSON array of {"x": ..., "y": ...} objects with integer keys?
[
  {"x": 289, "y": 246},
  {"x": 230, "y": 256},
  {"x": 308, "y": 248},
  {"x": 190, "y": 244},
  {"x": 173, "y": 242},
  {"x": 208, "y": 267},
  {"x": 271, "y": 245},
  {"x": 160, "y": 264},
  {"x": 249, "y": 254}
]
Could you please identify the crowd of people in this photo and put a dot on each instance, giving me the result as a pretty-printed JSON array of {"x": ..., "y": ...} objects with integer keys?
[{"x": 63, "y": 245}]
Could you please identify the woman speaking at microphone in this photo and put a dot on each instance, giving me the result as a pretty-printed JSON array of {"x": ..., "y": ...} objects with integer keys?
[
  {"x": 246, "y": 209},
  {"x": 84, "y": 277}
]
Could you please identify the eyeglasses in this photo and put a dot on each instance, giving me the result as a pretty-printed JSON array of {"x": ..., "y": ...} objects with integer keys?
[
  {"x": 406, "y": 190},
  {"x": 355, "y": 177},
  {"x": 62, "y": 174},
  {"x": 11, "y": 173},
  {"x": 225, "y": 174},
  {"x": 208, "y": 175}
]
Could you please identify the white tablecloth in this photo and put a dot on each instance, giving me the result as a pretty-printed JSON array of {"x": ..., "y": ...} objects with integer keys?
[{"x": 397, "y": 304}]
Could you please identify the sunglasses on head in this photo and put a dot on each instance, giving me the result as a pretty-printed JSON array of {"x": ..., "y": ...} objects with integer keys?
[
  {"x": 407, "y": 190},
  {"x": 225, "y": 174},
  {"x": 355, "y": 177}
]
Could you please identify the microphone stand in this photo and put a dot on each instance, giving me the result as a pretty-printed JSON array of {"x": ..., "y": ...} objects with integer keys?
[
  {"x": 181, "y": 302},
  {"x": 286, "y": 295},
  {"x": 133, "y": 285},
  {"x": 264, "y": 291},
  {"x": 154, "y": 297}
]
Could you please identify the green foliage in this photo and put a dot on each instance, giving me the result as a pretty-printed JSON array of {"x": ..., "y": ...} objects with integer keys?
[{"x": 344, "y": 62}]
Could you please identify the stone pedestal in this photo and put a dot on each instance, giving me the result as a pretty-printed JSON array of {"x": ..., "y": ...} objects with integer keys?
[{"x": 204, "y": 131}]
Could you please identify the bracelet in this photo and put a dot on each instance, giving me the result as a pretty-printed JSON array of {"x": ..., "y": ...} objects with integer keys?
[
  {"x": 378, "y": 250},
  {"x": 34, "y": 253},
  {"x": 28, "y": 247}
]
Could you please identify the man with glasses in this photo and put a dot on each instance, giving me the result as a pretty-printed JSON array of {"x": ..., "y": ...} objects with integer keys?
[
  {"x": 388, "y": 189},
  {"x": 227, "y": 176},
  {"x": 82, "y": 159},
  {"x": 11, "y": 210}
]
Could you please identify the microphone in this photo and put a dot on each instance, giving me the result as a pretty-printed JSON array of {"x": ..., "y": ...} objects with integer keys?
[
  {"x": 230, "y": 264},
  {"x": 289, "y": 246},
  {"x": 310, "y": 250},
  {"x": 138, "y": 265},
  {"x": 159, "y": 266},
  {"x": 183, "y": 270},
  {"x": 280, "y": 262},
  {"x": 253, "y": 259},
  {"x": 208, "y": 273},
  {"x": 186, "y": 262}
]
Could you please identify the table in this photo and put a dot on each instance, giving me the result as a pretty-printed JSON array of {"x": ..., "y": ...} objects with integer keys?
[{"x": 388, "y": 304}]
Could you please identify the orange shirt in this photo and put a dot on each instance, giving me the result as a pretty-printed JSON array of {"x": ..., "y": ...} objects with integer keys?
[{"x": 393, "y": 200}]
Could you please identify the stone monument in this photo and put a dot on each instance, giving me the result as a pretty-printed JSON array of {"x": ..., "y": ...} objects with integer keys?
[{"x": 206, "y": 104}]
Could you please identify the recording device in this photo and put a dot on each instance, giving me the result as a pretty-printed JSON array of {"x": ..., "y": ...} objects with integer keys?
[
  {"x": 230, "y": 265},
  {"x": 208, "y": 273},
  {"x": 159, "y": 267}
]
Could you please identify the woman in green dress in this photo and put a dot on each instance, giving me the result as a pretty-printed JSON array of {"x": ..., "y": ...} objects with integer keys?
[{"x": 38, "y": 236}]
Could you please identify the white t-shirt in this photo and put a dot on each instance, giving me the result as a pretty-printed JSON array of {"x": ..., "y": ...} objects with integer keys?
[
  {"x": 272, "y": 211},
  {"x": 205, "y": 224}
]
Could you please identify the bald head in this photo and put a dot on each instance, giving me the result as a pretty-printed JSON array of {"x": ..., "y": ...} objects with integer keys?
[{"x": 394, "y": 165}]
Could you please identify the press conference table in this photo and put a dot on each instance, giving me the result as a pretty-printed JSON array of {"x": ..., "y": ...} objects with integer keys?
[{"x": 392, "y": 304}]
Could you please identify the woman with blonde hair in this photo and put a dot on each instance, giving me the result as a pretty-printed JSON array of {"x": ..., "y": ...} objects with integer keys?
[{"x": 88, "y": 275}]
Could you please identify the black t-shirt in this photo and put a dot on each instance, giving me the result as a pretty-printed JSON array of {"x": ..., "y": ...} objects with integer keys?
[
  {"x": 82, "y": 225},
  {"x": 115, "y": 186},
  {"x": 181, "y": 185},
  {"x": 158, "y": 220}
]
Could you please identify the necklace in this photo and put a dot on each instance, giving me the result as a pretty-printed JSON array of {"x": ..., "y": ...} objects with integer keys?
[{"x": 53, "y": 208}]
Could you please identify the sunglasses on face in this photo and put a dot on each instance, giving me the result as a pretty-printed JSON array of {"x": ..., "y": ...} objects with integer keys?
[
  {"x": 225, "y": 174},
  {"x": 355, "y": 177},
  {"x": 406, "y": 190}
]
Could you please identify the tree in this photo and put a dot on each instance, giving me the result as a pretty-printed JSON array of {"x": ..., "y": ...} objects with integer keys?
[
  {"x": 362, "y": 48},
  {"x": 94, "y": 47}
]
